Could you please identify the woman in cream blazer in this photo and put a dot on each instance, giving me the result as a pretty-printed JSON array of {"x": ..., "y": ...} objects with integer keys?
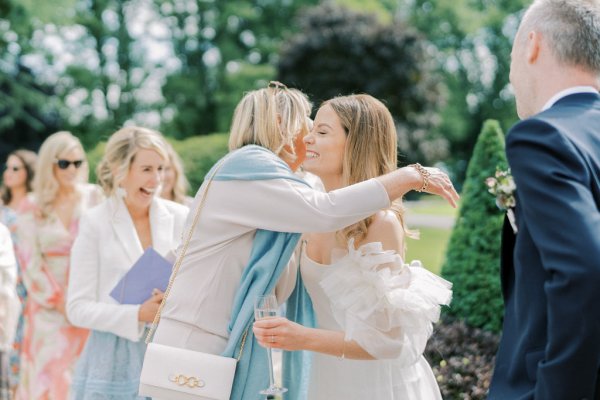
[
  {"x": 106, "y": 247},
  {"x": 112, "y": 237}
]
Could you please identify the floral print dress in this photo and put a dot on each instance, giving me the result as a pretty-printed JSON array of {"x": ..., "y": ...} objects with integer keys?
[
  {"x": 9, "y": 217},
  {"x": 51, "y": 345}
]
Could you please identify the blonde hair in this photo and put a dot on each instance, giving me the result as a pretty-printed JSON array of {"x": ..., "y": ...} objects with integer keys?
[
  {"x": 45, "y": 184},
  {"x": 120, "y": 152},
  {"x": 271, "y": 118},
  {"x": 181, "y": 184},
  {"x": 371, "y": 150}
]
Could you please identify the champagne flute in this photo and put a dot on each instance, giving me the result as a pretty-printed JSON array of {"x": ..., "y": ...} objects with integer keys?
[{"x": 266, "y": 306}]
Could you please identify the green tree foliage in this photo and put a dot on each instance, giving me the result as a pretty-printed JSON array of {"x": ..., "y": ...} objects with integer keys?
[
  {"x": 473, "y": 256},
  {"x": 55, "y": 11},
  {"x": 474, "y": 40},
  {"x": 110, "y": 72},
  {"x": 339, "y": 52},
  {"x": 218, "y": 43},
  {"x": 28, "y": 109}
]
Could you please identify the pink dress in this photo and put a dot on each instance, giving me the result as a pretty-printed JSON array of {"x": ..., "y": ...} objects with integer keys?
[{"x": 51, "y": 345}]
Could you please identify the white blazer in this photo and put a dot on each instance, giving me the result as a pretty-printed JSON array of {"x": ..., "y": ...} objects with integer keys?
[
  {"x": 9, "y": 302},
  {"x": 106, "y": 247}
]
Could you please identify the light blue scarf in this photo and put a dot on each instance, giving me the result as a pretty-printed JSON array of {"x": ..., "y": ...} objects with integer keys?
[
  {"x": 270, "y": 254},
  {"x": 296, "y": 364}
]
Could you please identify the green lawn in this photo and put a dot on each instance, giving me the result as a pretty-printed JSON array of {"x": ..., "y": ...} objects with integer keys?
[
  {"x": 431, "y": 205},
  {"x": 430, "y": 248}
]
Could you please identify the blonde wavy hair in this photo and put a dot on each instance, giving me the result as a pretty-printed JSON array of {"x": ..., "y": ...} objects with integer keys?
[
  {"x": 371, "y": 150},
  {"x": 271, "y": 117},
  {"x": 45, "y": 184},
  {"x": 120, "y": 152},
  {"x": 181, "y": 184}
]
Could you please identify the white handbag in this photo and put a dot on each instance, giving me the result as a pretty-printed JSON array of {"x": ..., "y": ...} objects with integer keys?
[{"x": 172, "y": 373}]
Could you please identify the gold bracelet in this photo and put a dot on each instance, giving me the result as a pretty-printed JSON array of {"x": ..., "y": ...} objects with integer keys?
[{"x": 424, "y": 174}]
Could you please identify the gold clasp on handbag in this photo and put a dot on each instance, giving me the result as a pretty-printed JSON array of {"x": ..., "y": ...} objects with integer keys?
[{"x": 182, "y": 380}]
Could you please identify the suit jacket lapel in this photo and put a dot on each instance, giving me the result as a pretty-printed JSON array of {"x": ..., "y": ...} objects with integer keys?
[
  {"x": 125, "y": 230},
  {"x": 161, "y": 224}
]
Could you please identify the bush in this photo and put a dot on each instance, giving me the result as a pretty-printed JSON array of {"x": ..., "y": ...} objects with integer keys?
[
  {"x": 473, "y": 256},
  {"x": 462, "y": 359},
  {"x": 339, "y": 51},
  {"x": 94, "y": 156},
  {"x": 198, "y": 153}
]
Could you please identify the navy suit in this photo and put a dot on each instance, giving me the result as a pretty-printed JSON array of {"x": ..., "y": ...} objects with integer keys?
[{"x": 550, "y": 347}]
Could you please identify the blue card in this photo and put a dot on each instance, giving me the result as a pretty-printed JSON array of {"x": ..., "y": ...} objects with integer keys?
[{"x": 150, "y": 271}]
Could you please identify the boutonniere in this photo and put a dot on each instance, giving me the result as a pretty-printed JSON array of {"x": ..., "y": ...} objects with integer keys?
[{"x": 502, "y": 185}]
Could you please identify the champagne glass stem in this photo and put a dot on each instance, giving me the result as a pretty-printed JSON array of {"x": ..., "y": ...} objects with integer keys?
[{"x": 271, "y": 375}]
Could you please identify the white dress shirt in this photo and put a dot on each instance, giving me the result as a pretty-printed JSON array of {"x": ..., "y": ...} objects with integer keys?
[{"x": 567, "y": 92}]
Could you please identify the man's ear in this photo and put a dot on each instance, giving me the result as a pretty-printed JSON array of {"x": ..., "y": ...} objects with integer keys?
[{"x": 534, "y": 44}]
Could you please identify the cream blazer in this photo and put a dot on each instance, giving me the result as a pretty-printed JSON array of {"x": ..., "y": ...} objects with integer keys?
[
  {"x": 106, "y": 247},
  {"x": 9, "y": 302},
  {"x": 198, "y": 311}
]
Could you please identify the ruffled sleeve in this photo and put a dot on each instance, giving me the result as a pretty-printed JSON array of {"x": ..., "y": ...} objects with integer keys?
[{"x": 386, "y": 306}]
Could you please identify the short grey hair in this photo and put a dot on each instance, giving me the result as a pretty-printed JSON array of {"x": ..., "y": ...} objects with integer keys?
[{"x": 572, "y": 28}]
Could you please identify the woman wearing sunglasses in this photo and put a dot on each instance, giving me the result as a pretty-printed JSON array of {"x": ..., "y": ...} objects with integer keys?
[
  {"x": 17, "y": 180},
  {"x": 46, "y": 230}
]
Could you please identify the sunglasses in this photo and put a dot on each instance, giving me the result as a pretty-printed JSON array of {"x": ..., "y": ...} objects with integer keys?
[
  {"x": 13, "y": 168},
  {"x": 64, "y": 164},
  {"x": 276, "y": 85}
]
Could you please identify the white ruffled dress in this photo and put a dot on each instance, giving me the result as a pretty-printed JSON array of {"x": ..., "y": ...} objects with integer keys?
[{"x": 387, "y": 307}]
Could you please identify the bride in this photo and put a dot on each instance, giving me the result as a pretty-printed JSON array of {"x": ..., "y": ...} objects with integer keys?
[{"x": 371, "y": 313}]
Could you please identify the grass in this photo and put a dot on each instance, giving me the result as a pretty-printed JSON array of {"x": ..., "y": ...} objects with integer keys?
[
  {"x": 431, "y": 205},
  {"x": 430, "y": 248}
]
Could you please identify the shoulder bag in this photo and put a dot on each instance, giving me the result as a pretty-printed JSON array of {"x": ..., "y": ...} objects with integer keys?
[{"x": 173, "y": 373}]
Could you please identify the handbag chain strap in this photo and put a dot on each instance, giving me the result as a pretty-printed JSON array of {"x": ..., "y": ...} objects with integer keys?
[{"x": 180, "y": 260}]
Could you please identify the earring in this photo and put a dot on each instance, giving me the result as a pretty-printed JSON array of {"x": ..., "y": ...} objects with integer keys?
[{"x": 120, "y": 192}]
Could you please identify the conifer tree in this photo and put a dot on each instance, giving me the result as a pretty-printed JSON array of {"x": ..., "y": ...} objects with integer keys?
[{"x": 473, "y": 255}]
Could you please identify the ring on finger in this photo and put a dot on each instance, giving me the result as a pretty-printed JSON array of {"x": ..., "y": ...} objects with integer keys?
[{"x": 272, "y": 339}]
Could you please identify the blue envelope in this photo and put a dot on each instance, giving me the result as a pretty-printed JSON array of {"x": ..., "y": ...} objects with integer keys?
[{"x": 150, "y": 271}]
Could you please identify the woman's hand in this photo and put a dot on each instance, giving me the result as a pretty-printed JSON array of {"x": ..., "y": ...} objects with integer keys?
[
  {"x": 439, "y": 184},
  {"x": 403, "y": 180},
  {"x": 149, "y": 308},
  {"x": 281, "y": 333}
]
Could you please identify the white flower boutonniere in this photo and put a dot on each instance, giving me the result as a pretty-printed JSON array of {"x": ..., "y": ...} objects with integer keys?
[{"x": 503, "y": 187}]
